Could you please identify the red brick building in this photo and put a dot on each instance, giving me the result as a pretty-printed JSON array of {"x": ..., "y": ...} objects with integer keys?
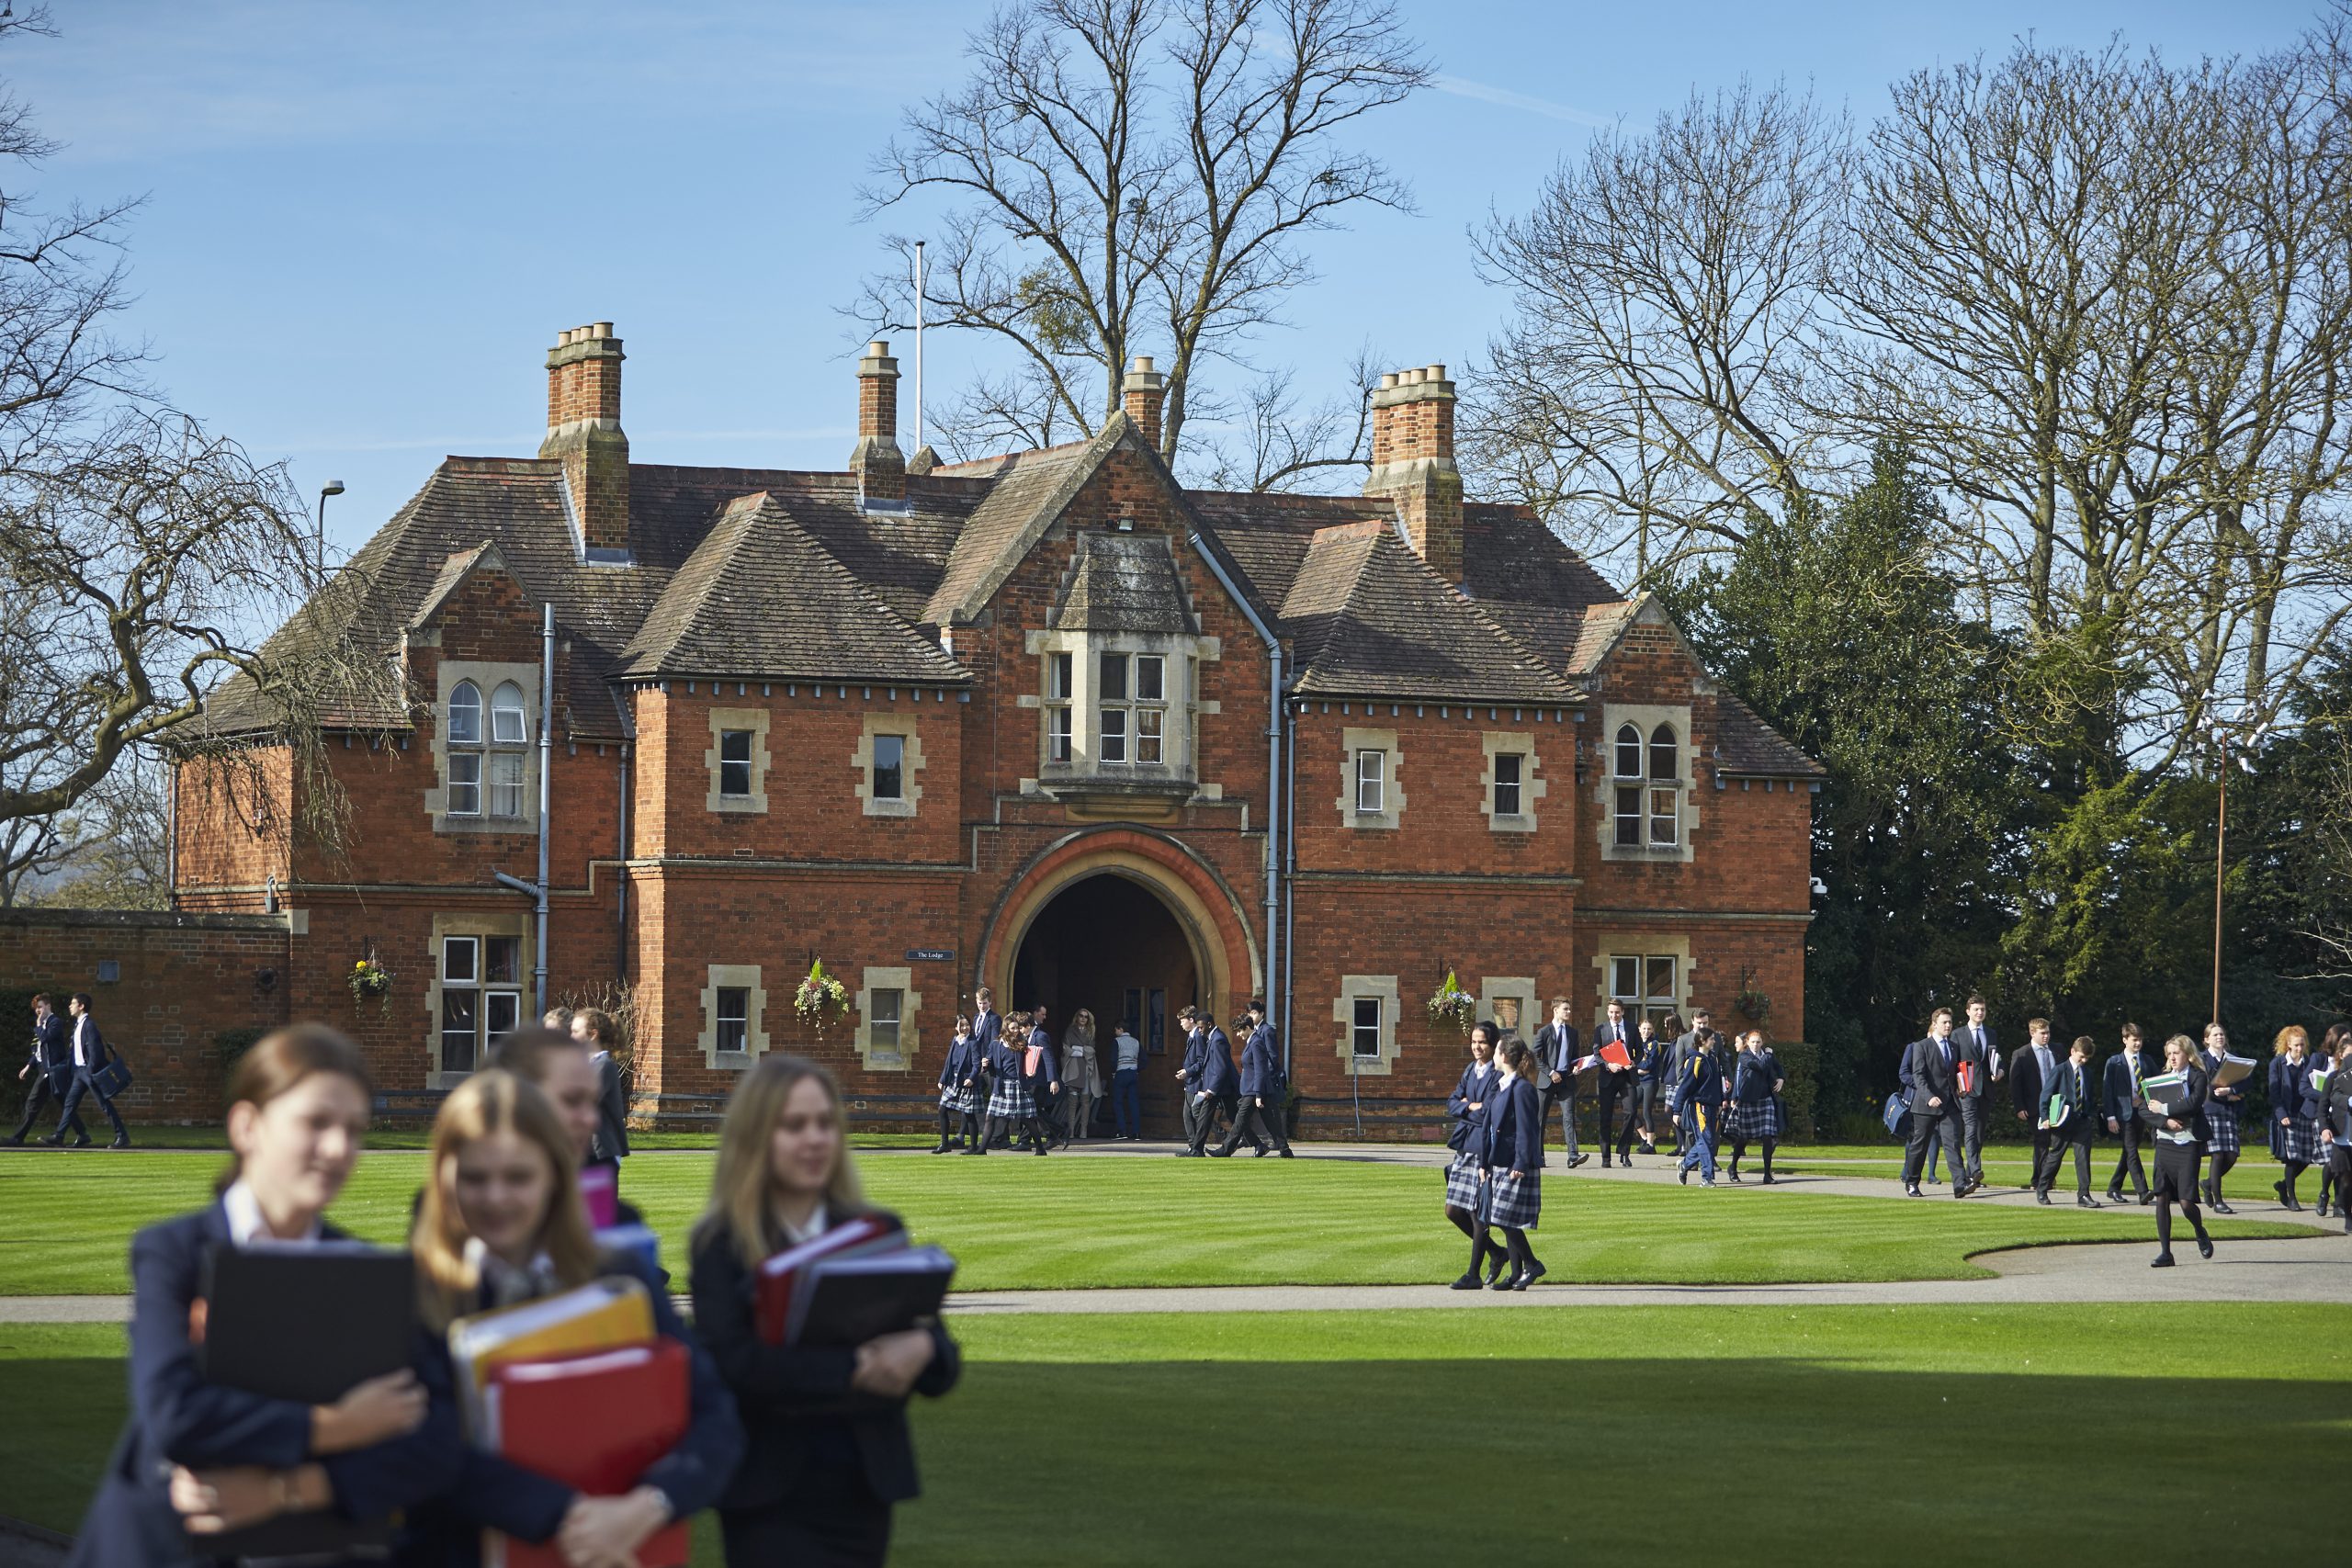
[{"x": 1046, "y": 721}]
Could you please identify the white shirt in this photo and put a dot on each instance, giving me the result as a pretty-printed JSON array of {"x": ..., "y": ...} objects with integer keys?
[
  {"x": 795, "y": 1236},
  {"x": 80, "y": 1023},
  {"x": 246, "y": 1226}
]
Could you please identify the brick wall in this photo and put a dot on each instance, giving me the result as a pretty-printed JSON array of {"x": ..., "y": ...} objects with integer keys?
[{"x": 181, "y": 980}]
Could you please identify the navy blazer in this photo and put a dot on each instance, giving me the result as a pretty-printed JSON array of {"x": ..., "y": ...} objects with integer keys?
[
  {"x": 1754, "y": 1076},
  {"x": 2115, "y": 1087},
  {"x": 961, "y": 1062},
  {"x": 2073, "y": 1119},
  {"x": 1511, "y": 1128},
  {"x": 2336, "y": 1106},
  {"x": 2190, "y": 1110},
  {"x": 1261, "y": 1068},
  {"x": 2287, "y": 1080},
  {"x": 53, "y": 1047},
  {"x": 2220, "y": 1102},
  {"x": 1196, "y": 1049},
  {"x": 1478, "y": 1083},
  {"x": 1701, "y": 1084},
  {"x": 797, "y": 1407},
  {"x": 176, "y": 1417},
  {"x": 2027, "y": 1091},
  {"x": 1932, "y": 1077},
  {"x": 1217, "y": 1076},
  {"x": 1987, "y": 1060},
  {"x": 492, "y": 1493},
  {"x": 988, "y": 1024}
]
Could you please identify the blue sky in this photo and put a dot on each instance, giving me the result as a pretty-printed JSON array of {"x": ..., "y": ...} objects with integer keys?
[{"x": 366, "y": 222}]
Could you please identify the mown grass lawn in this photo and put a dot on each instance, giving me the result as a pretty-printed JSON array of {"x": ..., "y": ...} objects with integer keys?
[
  {"x": 1018, "y": 1223},
  {"x": 1760, "y": 1435}
]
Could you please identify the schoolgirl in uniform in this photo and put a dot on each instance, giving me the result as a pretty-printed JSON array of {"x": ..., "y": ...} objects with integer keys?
[
  {"x": 2178, "y": 1129},
  {"x": 829, "y": 1450},
  {"x": 959, "y": 1096},
  {"x": 500, "y": 1224},
  {"x": 194, "y": 1460},
  {"x": 1463, "y": 1174},
  {"x": 2221, "y": 1118},
  {"x": 1754, "y": 1112},
  {"x": 2325, "y": 1060},
  {"x": 2294, "y": 1132},
  {"x": 1511, "y": 1138},
  {"x": 1010, "y": 1104}
]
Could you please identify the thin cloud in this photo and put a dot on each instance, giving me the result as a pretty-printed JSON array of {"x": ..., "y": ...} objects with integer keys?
[{"x": 1462, "y": 87}]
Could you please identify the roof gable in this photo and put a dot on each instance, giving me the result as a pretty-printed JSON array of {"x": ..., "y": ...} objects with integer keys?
[{"x": 1123, "y": 582}]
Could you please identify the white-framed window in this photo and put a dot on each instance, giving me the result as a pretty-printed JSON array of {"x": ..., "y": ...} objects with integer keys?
[
  {"x": 885, "y": 1006},
  {"x": 1630, "y": 787},
  {"x": 1665, "y": 787},
  {"x": 507, "y": 725},
  {"x": 1371, "y": 782},
  {"x": 732, "y": 1017},
  {"x": 1646, "y": 985},
  {"x": 1365, "y": 1012},
  {"x": 1363, "y": 1030},
  {"x": 735, "y": 764},
  {"x": 482, "y": 1001},
  {"x": 1060, "y": 689},
  {"x": 1131, "y": 697},
  {"x": 1509, "y": 783},
  {"x": 464, "y": 729},
  {"x": 889, "y": 767}
]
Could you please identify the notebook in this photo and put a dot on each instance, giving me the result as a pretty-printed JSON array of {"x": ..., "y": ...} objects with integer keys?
[
  {"x": 781, "y": 1276},
  {"x": 602, "y": 1315},
  {"x": 597, "y": 1422},
  {"x": 847, "y": 1301}
]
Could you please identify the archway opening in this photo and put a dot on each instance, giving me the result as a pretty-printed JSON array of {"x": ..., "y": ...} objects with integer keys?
[{"x": 1107, "y": 943}]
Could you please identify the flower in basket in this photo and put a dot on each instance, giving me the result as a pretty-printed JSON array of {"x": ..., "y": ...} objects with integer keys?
[
  {"x": 370, "y": 979},
  {"x": 1454, "y": 1006},
  {"x": 821, "y": 999}
]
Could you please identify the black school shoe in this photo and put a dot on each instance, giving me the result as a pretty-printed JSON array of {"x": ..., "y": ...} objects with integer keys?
[
  {"x": 2204, "y": 1247},
  {"x": 1535, "y": 1271},
  {"x": 2087, "y": 1203},
  {"x": 2161, "y": 1260}
]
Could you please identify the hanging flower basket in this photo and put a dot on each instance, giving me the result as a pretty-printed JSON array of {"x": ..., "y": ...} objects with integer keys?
[
  {"x": 370, "y": 979},
  {"x": 822, "y": 1000},
  {"x": 1453, "y": 1005}
]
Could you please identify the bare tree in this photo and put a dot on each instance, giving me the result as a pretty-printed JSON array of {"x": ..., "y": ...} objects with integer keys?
[
  {"x": 1649, "y": 397},
  {"x": 1275, "y": 441},
  {"x": 1125, "y": 169}
]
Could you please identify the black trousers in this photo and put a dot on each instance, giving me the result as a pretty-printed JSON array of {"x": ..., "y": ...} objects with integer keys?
[
  {"x": 2133, "y": 1136},
  {"x": 2050, "y": 1154},
  {"x": 1972, "y": 1137},
  {"x": 840, "y": 1527},
  {"x": 1197, "y": 1108},
  {"x": 1641, "y": 1107},
  {"x": 1609, "y": 1092},
  {"x": 42, "y": 1093},
  {"x": 1249, "y": 1123},
  {"x": 1207, "y": 1123},
  {"x": 1938, "y": 1128},
  {"x": 83, "y": 1084}
]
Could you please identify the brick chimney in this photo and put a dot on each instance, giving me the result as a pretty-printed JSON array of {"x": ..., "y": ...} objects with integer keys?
[
  {"x": 880, "y": 467},
  {"x": 1144, "y": 394},
  {"x": 1412, "y": 462},
  {"x": 584, "y": 432}
]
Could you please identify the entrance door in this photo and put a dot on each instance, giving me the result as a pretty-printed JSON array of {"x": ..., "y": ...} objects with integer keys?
[{"x": 1106, "y": 943}]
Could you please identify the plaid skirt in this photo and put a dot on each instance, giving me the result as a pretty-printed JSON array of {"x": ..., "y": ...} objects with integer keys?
[
  {"x": 1010, "y": 1099},
  {"x": 1515, "y": 1205},
  {"x": 1462, "y": 1183},
  {"x": 965, "y": 1098},
  {"x": 2221, "y": 1133},
  {"x": 1745, "y": 1123},
  {"x": 2296, "y": 1143}
]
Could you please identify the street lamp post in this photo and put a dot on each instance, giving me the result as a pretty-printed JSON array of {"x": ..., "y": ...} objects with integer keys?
[
  {"x": 2228, "y": 745},
  {"x": 333, "y": 487}
]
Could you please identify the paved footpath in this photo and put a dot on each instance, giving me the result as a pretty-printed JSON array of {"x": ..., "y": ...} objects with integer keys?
[{"x": 2291, "y": 1270}]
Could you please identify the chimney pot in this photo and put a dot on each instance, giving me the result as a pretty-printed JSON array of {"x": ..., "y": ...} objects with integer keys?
[
  {"x": 1143, "y": 364},
  {"x": 1436, "y": 373},
  {"x": 1388, "y": 382},
  {"x": 584, "y": 433},
  {"x": 1412, "y": 462},
  {"x": 880, "y": 467},
  {"x": 1143, "y": 397}
]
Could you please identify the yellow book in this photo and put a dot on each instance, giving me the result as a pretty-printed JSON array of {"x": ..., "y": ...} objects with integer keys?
[{"x": 602, "y": 1315}]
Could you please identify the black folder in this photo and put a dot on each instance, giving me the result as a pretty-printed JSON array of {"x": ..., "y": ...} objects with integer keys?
[
  {"x": 306, "y": 1323},
  {"x": 851, "y": 1300}
]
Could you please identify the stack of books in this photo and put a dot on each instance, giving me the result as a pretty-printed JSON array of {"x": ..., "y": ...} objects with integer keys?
[
  {"x": 578, "y": 1387},
  {"x": 857, "y": 1280}
]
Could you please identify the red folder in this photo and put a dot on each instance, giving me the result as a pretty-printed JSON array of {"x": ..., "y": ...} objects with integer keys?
[
  {"x": 781, "y": 1275},
  {"x": 1967, "y": 1075},
  {"x": 598, "y": 1423},
  {"x": 1615, "y": 1052}
]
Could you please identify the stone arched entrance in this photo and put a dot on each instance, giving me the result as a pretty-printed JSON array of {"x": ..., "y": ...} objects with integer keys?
[{"x": 1127, "y": 924}]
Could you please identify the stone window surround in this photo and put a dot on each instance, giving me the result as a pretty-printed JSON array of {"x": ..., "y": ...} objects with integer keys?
[
  {"x": 756, "y": 721},
  {"x": 1519, "y": 743},
  {"x": 745, "y": 977},
  {"x": 1647, "y": 718},
  {"x": 1392, "y": 795},
  {"x": 487, "y": 676},
  {"x": 1352, "y": 987},
  {"x": 1494, "y": 987},
  {"x": 905, "y": 726},
  {"x": 481, "y": 923},
  {"x": 1613, "y": 945},
  {"x": 900, "y": 979},
  {"x": 1184, "y": 653}
]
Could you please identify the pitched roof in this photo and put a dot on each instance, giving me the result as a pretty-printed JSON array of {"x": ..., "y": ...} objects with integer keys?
[
  {"x": 1372, "y": 619},
  {"x": 1029, "y": 491},
  {"x": 1750, "y": 746},
  {"x": 760, "y": 598},
  {"x": 1123, "y": 582}
]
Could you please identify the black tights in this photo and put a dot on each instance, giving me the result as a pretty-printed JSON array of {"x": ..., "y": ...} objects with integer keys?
[
  {"x": 1482, "y": 1240},
  {"x": 946, "y": 1121},
  {"x": 2214, "y": 1174},
  {"x": 1522, "y": 1255},
  {"x": 1739, "y": 1151},
  {"x": 2163, "y": 1223},
  {"x": 2294, "y": 1174}
]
